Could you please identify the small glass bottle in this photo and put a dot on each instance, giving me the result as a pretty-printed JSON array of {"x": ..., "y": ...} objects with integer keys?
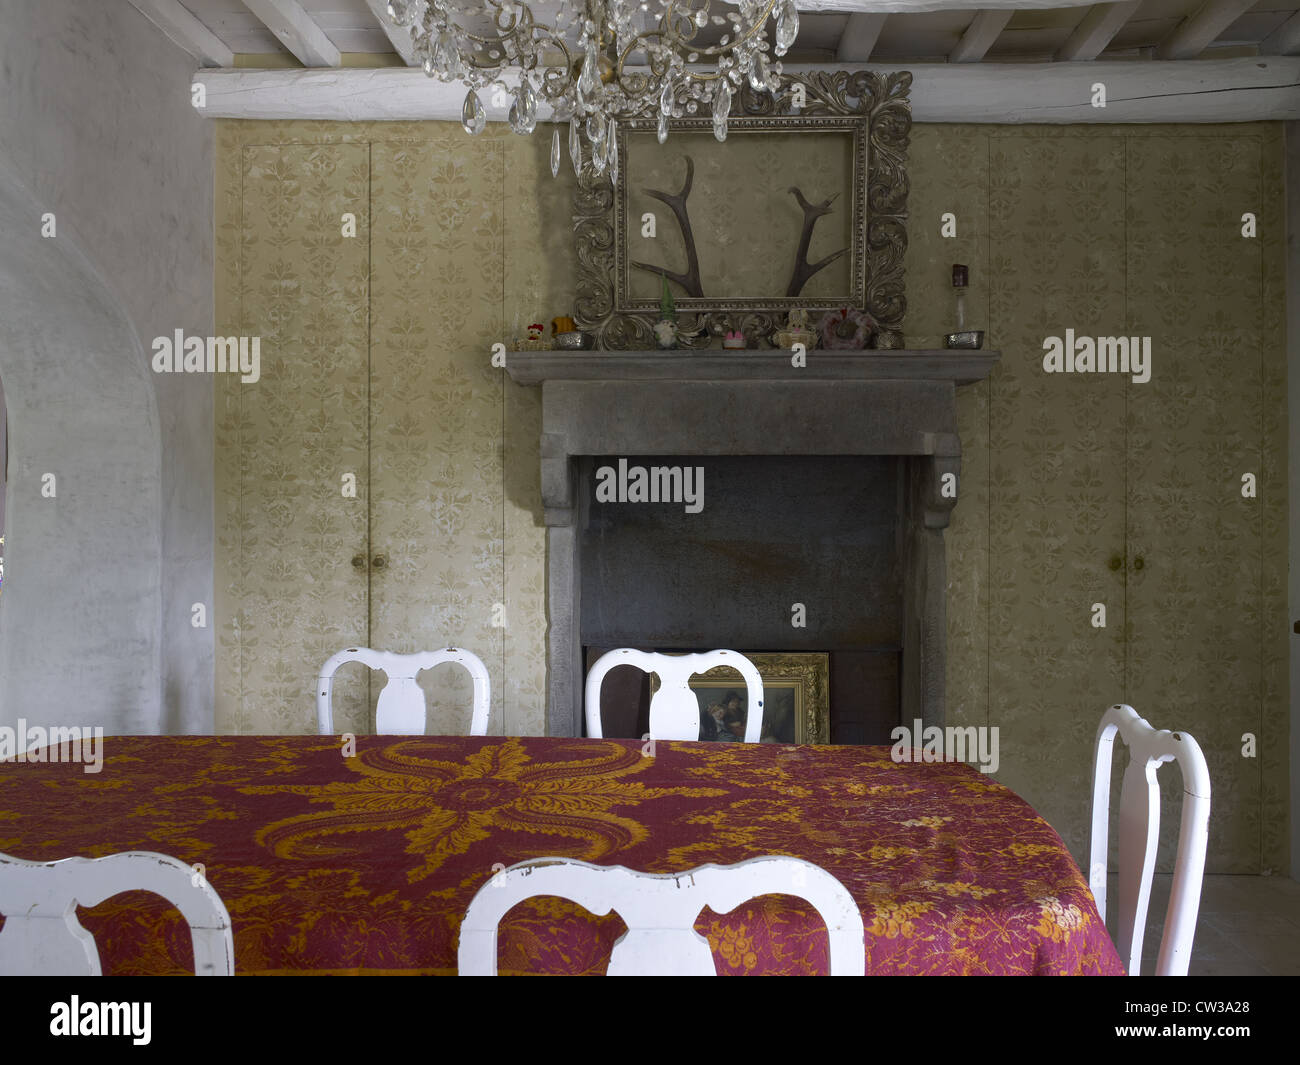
[{"x": 960, "y": 279}]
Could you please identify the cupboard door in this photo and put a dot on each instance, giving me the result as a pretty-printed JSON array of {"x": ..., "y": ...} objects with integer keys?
[
  {"x": 294, "y": 505},
  {"x": 1056, "y": 496},
  {"x": 436, "y": 422},
  {"x": 1195, "y": 604}
]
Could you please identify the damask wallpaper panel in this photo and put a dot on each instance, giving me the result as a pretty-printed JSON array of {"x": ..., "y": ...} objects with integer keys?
[
  {"x": 450, "y": 443},
  {"x": 286, "y": 442},
  {"x": 540, "y": 263},
  {"x": 1221, "y": 300},
  {"x": 1195, "y": 608},
  {"x": 1276, "y": 631},
  {"x": 940, "y": 203},
  {"x": 435, "y": 410},
  {"x": 1057, "y": 495}
]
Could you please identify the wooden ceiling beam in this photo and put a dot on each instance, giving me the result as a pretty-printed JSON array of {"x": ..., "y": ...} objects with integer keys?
[
  {"x": 297, "y": 31},
  {"x": 859, "y": 37},
  {"x": 184, "y": 29},
  {"x": 400, "y": 38},
  {"x": 1245, "y": 89},
  {"x": 985, "y": 28},
  {"x": 1199, "y": 30},
  {"x": 1097, "y": 30},
  {"x": 1285, "y": 40}
]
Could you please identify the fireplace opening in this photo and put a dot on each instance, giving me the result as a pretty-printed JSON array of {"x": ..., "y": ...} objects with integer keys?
[{"x": 766, "y": 555}]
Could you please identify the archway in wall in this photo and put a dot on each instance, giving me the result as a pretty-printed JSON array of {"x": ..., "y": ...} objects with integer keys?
[{"x": 81, "y": 604}]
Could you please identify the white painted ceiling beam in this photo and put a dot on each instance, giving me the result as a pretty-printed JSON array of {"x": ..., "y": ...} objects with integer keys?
[
  {"x": 1196, "y": 32},
  {"x": 1097, "y": 30},
  {"x": 297, "y": 31},
  {"x": 859, "y": 37},
  {"x": 1247, "y": 89},
  {"x": 979, "y": 36},
  {"x": 187, "y": 31},
  {"x": 1285, "y": 40},
  {"x": 400, "y": 38}
]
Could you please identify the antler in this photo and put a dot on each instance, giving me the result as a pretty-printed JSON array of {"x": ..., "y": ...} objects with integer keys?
[
  {"x": 803, "y": 269},
  {"x": 690, "y": 279}
]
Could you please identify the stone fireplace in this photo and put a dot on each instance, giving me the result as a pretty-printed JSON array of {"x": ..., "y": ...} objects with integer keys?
[{"x": 837, "y": 479}]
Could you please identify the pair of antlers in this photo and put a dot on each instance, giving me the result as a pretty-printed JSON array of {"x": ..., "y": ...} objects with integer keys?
[{"x": 689, "y": 278}]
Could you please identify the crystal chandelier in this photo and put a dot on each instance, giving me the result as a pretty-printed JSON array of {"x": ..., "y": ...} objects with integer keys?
[{"x": 597, "y": 62}]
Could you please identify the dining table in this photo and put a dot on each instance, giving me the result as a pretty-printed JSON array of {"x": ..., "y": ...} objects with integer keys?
[{"x": 360, "y": 855}]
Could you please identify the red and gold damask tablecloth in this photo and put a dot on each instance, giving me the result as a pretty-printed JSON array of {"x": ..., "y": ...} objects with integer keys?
[{"x": 366, "y": 864}]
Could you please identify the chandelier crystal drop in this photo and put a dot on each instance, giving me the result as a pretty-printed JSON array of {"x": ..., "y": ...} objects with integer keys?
[
  {"x": 595, "y": 62},
  {"x": 611, "y": 151},
  {"x": 401, "y": 12},
  {"x": 472, "y": 115},
  {"x": 523, "y": 110},
  {"x": 721, "y": 108},
  {"x": 575, "y": 145}
]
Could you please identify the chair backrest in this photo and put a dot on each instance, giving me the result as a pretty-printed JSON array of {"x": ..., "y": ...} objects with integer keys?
[
  {"x": 400, "y": 710},
  {"x": 674, "y": 709},
  {"x": 42, "y": 936},
  {"x": 1139, "y": 832},
  {"x": 660, "y": 909}
]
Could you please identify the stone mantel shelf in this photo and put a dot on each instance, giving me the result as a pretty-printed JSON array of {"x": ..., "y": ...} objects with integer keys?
[{"x": 962, "y": 367}]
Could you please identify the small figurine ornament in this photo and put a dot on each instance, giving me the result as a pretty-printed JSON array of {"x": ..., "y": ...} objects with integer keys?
[
  {"x": 533, "y": 341},
  {"x": 734, "y": 340},
  {"x": 796, "y": 331},
  {"x": 847, "y": 329}
]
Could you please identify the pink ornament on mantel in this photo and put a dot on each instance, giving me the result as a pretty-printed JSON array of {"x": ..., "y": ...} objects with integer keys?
[
  {"x": 734, "y": 340},
  {"x": 847, "y": 330}
]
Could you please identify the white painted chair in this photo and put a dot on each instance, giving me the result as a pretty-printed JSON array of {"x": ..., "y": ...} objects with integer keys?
[
  {"x": 674, "y": 709},
  {"x": 1139, "y": 832},
  {"x": 660, "y": 910},
  {"x": 400, "y": 710},
  {"x": 39, "y": 900}
]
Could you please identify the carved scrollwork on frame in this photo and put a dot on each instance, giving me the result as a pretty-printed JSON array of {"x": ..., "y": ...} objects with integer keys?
[{"x": 873, "y": 107}]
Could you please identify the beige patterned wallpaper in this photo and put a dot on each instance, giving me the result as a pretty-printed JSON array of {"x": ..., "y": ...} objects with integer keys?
[{"x": 376, "y": 362}]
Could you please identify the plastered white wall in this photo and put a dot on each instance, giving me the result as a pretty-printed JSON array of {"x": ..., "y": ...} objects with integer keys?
[{"x": 96, "y": 126}]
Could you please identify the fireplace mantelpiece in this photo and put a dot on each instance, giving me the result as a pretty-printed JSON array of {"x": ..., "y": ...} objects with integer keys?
[{"x": 703, "y": 403}]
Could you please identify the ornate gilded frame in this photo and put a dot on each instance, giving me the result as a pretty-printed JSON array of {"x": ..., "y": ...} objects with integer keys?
[
  {"x": 810, "y": 672},
  {"x": 876, "y": 105}
]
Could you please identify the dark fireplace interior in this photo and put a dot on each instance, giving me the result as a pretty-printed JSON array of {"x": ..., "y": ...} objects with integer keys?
[{"x": 774, "y": 531}]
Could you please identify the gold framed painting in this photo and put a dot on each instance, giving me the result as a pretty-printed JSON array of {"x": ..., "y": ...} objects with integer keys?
[{"x": 796, "y": 699}]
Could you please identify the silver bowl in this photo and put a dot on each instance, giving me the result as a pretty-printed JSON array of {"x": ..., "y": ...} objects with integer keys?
[
  {"x": 574, "y": 341},
  {"x": 970, "y": 338}
]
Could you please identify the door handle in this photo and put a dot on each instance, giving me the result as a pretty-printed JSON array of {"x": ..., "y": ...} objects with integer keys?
[
  {"x": 1116, "y": 563},
  {"x": 1138, "y": 563},
  {"x": 379, "y": 561},
  {"x": 359, "y": 561}
]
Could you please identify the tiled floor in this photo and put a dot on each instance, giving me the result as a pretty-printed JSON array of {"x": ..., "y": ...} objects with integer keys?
[{"x": 1248, "y": 926}]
